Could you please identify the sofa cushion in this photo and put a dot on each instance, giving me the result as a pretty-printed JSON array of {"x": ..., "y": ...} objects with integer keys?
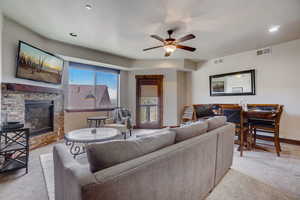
[
  {"x": 190, "y": 130},
  {"x": 149, "y": 133},
  {"x": 107, "y": 154},
  {"x": 216, "y": 122},
  {"x": 156, "y": 141}
]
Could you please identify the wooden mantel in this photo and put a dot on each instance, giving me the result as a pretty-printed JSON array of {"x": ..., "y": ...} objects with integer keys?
[{"x": 30, "y": 88}]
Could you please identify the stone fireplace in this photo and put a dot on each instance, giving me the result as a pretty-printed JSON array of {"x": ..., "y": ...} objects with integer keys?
[
  {"x": 39, "y": 108},
  {"x": 39, "y": 116}
]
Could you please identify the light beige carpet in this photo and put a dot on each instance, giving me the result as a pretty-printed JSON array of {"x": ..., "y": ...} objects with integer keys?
[
  {"x": 48, "y": 171},
  {"x": 238, "y": 186},
  {"x": 234, "y": 186}
]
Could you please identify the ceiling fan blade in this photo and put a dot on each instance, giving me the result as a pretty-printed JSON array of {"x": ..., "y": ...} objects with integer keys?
[
  {"x": 157, "y": 37},
  {"x": 185, "y": 38},
  {"x": 167, "y": 54},
  {"x": 186, "y": 48},
  {"x": 153, "y": 48}
]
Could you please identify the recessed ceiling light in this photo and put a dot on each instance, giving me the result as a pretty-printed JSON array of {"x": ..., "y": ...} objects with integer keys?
[
  {"x": 273, "y": 29},
  {"x": 88, "y": 6},
  {"x": 73, "y": 34}
]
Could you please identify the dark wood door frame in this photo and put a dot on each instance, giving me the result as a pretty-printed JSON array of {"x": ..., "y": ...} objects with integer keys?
[{"x": 151, "y": 78}]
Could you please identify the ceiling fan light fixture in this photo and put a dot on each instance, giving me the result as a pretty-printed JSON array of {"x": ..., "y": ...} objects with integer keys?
[
  {"x": 170, "y": 48},
  {"x": 274, "y": 29},
  {"x": 88, "y": 6},
  {"x": 171, "y": 44}
]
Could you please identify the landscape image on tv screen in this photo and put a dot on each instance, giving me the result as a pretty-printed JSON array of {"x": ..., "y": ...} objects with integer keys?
[{"x": 38, "y": 65}]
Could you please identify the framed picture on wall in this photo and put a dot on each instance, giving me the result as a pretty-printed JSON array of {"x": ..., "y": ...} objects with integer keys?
[
  {"x": 218, "y": 86},
  {"x": 233, "y": 84},
  {"x": 38, "y": 65}
]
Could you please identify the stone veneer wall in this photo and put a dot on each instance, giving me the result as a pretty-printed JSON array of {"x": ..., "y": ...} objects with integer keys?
[{"x": 14, "y": 103}]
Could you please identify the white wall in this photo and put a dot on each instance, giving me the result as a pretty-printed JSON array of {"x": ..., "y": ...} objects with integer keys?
[
  {"x": 182, "y": 93},
  {"x": 13, "y": 32},
  {"x": 1, "y": 23},
  {"x": 169, "y": 96},
  {"x": 277, "y": 81},
  {"x": 123, "y": 93},
  {"x": 179, "y": 64}
]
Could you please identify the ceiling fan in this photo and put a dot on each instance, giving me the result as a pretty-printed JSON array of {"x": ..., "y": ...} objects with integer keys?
[{"x": 170, "y": 44}]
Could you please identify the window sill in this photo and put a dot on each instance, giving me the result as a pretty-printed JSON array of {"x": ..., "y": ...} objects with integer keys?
[{"x": 89, "y": 110}]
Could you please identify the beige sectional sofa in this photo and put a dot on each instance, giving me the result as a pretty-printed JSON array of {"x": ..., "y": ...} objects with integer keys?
[{"x": 187, "y": 169}]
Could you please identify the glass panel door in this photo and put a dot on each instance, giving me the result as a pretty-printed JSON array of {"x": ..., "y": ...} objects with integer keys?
[{"x": 149, "y": 103}]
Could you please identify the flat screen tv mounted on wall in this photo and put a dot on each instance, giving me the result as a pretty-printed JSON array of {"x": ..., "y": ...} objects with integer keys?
[{"x": 38, "y": 65}]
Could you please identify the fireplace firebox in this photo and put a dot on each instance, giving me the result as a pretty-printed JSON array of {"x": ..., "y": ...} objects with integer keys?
[{"x": 39, "y": 116}]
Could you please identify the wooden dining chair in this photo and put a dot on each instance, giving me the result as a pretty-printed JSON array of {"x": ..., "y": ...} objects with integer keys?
[
  {"x": 188, "y": 114},
  {"x": 203, "y": 110},
  {"x": 270, "y": 124},
  {"x": 234, "y": 114}
]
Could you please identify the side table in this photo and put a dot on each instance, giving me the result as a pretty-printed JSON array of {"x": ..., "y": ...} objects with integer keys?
[
  {"x": 97, "y": 121},
  {"x": 14, "y": 149}
]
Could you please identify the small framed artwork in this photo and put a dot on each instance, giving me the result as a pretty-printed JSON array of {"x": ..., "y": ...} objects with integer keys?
[{"x": 218, "y": 86}]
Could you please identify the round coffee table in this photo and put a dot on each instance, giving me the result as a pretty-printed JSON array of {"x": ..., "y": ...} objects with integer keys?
[{"x": 78, "y": 139}]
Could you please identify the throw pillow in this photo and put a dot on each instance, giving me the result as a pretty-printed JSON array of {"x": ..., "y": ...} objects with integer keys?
[
  {"x": 159, "y": 131},
  {"x": 190, "y": 131},
  {"x": 156, "y": 141}
]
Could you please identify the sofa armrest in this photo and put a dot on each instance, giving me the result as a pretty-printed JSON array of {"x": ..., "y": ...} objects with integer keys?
[
  {"x": 225, "y": 150},
  {"x": 69, "y": 175}
]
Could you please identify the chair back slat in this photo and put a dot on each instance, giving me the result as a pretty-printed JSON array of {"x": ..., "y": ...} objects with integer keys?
[
  {"x": 267, "y": 107},
  {"x": 233, "y": 113},
  {"x": 278, "y": 115}
]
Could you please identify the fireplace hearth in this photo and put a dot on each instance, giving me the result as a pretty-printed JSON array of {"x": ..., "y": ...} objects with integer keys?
[{"x": 39, "y": 116}]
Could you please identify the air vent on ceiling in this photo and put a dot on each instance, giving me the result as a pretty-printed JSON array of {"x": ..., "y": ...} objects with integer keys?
[
  {"x": 263, "y": 51},
  {"x": 218, "y": 61}
]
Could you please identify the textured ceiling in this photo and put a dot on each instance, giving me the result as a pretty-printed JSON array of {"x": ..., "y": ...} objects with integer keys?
[{"x": 123, "y": 27}]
